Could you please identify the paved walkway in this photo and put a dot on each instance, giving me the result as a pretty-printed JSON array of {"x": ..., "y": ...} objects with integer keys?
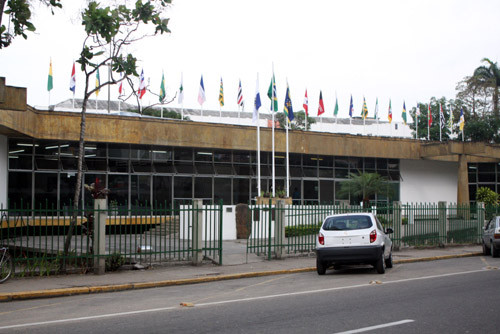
[{"x": 236, "y": 264}]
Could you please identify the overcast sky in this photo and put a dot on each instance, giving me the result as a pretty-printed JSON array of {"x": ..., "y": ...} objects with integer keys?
[{"x": 399, "y": 50}]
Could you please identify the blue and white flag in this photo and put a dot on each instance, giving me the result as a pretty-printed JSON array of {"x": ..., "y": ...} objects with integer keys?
[
  {"x": 257, "y": 103},
  {"x": 201, "y": 93}
]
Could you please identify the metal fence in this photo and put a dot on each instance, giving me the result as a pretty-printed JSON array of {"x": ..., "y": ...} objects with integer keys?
[
  {"x": 142, "y": 236},
  {"x": 275, "y": 230}
]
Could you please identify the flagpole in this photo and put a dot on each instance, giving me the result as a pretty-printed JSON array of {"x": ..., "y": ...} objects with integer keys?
[
  {"x": 429, "y": 115},
  {"x": 287, "y": 120},
  {"x": 272, "y": 117},
  {"x": 259, "y": 188},
  {"x": 440, "y": 120}
]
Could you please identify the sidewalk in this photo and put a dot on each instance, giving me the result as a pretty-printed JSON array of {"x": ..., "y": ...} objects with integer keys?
[{"x": 236, "y": 264}]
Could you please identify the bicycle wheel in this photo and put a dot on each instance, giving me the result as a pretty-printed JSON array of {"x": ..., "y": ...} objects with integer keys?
[{"x": 6, "y": 267}]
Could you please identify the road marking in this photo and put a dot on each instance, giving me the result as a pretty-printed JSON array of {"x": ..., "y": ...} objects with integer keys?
[
  {"x": 109, "y": 315},
  {"x": 367, "y": 329}
]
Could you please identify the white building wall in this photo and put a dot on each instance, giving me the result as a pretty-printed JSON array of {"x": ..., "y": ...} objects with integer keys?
[
  {"x": 428, "y": 181},
  {"x": 4, "y": 162}
]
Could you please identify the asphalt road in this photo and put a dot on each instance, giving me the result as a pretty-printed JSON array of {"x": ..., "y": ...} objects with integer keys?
[{"x": 447, "y": 296}]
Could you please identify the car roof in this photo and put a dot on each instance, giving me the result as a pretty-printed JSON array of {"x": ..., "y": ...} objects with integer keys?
[{"x": 351, "y": 214}]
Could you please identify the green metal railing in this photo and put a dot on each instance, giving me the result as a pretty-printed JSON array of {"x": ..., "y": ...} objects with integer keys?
[
  {"x": 292, "y": 229},
  {"x": 142, "y": 235}
]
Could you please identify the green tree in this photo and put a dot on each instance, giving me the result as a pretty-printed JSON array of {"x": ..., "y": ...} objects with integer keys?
[
  {"x": 489, "y": 76},
  {"x": 434, "y": 128},
  {"x": 365, "y": 185},
  {"x": 109, "y": 31},
  {"x": 475, "y": 97},
  {"x": 487, "y": 196},
  {"x": 299, "y": 121},
  {"x": 19, "y": 16}
]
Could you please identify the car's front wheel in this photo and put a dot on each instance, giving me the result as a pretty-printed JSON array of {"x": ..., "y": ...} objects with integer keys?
[
  {"x": 320, "y": 267},
  {"x": 380, "y": 265}
]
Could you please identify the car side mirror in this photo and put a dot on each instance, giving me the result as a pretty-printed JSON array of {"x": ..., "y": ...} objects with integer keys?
[{"x": 389, "y": 230}]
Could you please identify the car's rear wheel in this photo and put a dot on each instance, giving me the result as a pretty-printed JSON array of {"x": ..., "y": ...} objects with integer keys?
[
  {"x": 388, "y": 261},
  {"x": 320, "y": 267},
  {"x": 380, "y": 265},
  {"x": 486, "y": 250},
  {"x": 494, "y": 252}
]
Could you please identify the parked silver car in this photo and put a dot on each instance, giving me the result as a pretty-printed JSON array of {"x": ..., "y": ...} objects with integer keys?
[
  {"x": 491, "y": 237},
  {"x": 353, "y": 238}
]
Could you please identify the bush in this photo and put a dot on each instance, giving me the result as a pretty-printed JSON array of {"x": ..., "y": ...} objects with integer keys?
[
  {"x": 487, "y": 196},
  {"x": 114, "y": 262},
  {"x": 300, "y": 230}
]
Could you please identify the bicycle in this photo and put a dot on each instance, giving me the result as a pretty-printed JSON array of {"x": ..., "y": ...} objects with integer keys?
[{"x": 6, "y": 264}]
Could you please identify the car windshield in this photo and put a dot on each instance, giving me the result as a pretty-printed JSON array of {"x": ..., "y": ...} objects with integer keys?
[{"x": 346, "y": 223}]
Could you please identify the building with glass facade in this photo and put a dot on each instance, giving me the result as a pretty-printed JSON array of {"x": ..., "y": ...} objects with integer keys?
[{"x": 147, "y": 160}]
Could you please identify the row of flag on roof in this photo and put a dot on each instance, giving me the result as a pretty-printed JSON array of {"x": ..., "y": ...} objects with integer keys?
[{"x": 272, "y": 94}]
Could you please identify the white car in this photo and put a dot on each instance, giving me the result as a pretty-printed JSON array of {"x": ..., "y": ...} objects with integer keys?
[
  {"x": 353, "y": 238},
  {"x": 491, "y": 237}
]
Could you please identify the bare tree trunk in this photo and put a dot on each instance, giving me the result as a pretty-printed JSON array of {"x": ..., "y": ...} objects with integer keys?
[
  {"x": 78, "y": 188},
  {"x": 495, "y": 101}
]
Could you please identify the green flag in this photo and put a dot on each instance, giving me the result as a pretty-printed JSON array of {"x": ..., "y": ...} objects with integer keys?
[
  {"x": 162, "y": 88},
  {"x": 403, "y": 114},
  {"x": 271, "y": 93},
  {"x": 336, "y": 110},
  {"x": 50, "y": 81}
]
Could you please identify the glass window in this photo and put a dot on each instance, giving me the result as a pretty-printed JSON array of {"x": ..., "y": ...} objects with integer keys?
[
  {"x": 241, "y": 191},
  {"x": 310, "y": 171},
  {"x": 118, "y": 151},
  {"x": 338, "y": 195},
  {"x": 184, "y": 167},
  {"x": 243, "y": 157},
  {"x": 326, "y": 172},
  {"x": 472, "y": 177},
  {"x": 486, "y": 168},
  {"x": 118, "y": 166},
  {"x": 96, "y": 164},
  {"x": 47, "y": 163},
  {"x": 341, "y": 173},
  {"x": 45, "y": 191},
  {"x": 183, "y": 187},
  {"x": 183, "y": 154},
  {"x": 203, "y": 188},
  {"x": 310, "y": 160},
  {"x": 222, "y": 190},
  {"x": 295, "y": 159},
  {"x": 310, "y": 190},
  {"x": 224, "y": 169},
  {"x": 47, "y": 148},
  {"x": 19, "y": 191},
  {"x": 245, "y": 169},
  {"x": 341, "y": 162},
  {"x": 222, "y": 156},
  {"x": 369, "y": 163},
  {"x": 21, "y": 146},
  {"x": 326, "y": 192},
  {"x": 161, "y": 154},
  {"x": 67, "y": 185},
  {"x": 70, "y": 163},
  {"x": 118, "y": 187},
  {"x": 355, "y": 164},
  {"x": 163, "y": 167},
  {"x": 393, "y": 164},
  {"x": 326, "y": 161},
  {"x": 95, "y": 150},
  {"x": 486, "y": 177},
  {"x": 381, "y": 163},
  {"x": 69, "y": 149},
  {"x": 162, "y": 191},
  {"x": 204, "y": 168},
  {"x": 140, "y": 152},
  {"x": 295, "y": 191},
  {"x": 203, "y": 155},
  {"x": 140, "y": 187},
  {"x": 17, "y": 161},
  {"x": 296, "y": 172},
  {"x": 141, "y": 166}
]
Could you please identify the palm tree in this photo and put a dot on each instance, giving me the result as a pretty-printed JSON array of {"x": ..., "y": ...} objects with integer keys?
[
  {"x": 489, "y": 76},
  {"x": 365, "y": 185}
]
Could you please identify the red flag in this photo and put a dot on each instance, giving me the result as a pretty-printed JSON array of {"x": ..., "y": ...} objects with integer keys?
[
  {"x": 142, "y": 86},
  {"x": 430, "y": 115},
  {"x": 306, "y": 104},
  {"x": 321, "y": 107}
]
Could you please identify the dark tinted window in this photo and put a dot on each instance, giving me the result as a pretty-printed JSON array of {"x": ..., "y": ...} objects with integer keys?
[{"x": 346, "y": 223}]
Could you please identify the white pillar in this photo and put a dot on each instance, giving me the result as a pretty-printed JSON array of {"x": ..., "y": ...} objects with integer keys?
[{"x": 99, "y": 242}]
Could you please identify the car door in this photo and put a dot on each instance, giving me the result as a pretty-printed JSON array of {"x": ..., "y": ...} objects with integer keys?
[{"x": 487, "y": 231}]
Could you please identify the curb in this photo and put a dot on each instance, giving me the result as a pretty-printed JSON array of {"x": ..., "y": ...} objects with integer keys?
[{"x": 25, "y": 295}]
